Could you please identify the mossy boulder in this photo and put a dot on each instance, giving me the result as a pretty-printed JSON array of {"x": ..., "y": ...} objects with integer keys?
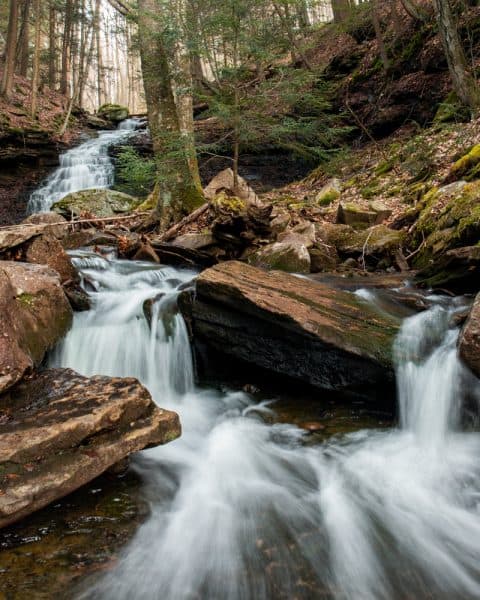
[
  {"x": 359, "y": 216},
  {"x": 113, "y": 112},
  {"x": 467, "y": 167},
  {"x": 329, "y": 193},
  {"x": 450, "y": 218},
  {"x": 101, "y": 203},
  {"x": 292, "y": 257}
]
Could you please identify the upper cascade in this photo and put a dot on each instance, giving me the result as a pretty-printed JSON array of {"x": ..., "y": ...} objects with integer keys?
[{"x": 86, "y": 166}]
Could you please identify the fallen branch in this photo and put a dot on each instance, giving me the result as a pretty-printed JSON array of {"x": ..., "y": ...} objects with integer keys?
[
  {"x": 172, "y": 232},
  {"x": 73, "y": 222}
]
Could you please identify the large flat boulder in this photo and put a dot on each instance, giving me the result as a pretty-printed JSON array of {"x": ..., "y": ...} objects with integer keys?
[
  {"x": 60, "y": 430},
  {"x": 97, "y": 202},
  {"x": 469, "y": 342},
  {"x": 290, "y": 325},
  {"x": 35, "y": 314}
]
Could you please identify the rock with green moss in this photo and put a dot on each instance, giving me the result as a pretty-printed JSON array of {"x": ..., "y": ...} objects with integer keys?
[
  {"x": 450, "y": 218},
  {"x": 292, "y": 257},
  {"x": 113, "y": 112},
  {"x": 378, "y": 240},
  {"x": 359, "y": 217},
  {"x": 100, "y": 203},
  {"x": 467, "y": 167},
  {"x": 329, "y": 193}
]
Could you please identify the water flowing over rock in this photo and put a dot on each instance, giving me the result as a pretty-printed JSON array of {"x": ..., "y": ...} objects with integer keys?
[
  {"x": 84, "y": 167},
  {"x": 292, "y": 326},
  {"x": 469, "y": 343},
  {"x": 35, "y": 315},
  {"x": 61, "y": 430}
]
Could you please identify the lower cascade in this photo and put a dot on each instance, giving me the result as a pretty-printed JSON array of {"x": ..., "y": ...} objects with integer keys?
[{"x": 242, "y": 509}]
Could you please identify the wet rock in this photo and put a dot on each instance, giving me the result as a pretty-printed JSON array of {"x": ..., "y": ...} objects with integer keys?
[
  {"x": 54, "y": 223},
  {"x": 147, "y": 253},
  {"x": 61, "y": 430},
  {"x": 290, "y": 256},
  {"x": 78, "y": 298},
  {"x": 99, "y": 203},
  {"x": 312, "y": 426},
  {"x": 469, "y": 342},
  {"x": 291, "y": 325},
  {"x": 35, "y": 315}
]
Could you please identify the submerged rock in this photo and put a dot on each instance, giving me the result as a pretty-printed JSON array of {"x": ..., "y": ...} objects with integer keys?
[
  {"x": 469, "y": 342},
  {"x": 291, "y": 325},
  {"x": 61, "y": 430},
  {"x": 35, "y": 314},
  {"x": 100, "y": 203}
]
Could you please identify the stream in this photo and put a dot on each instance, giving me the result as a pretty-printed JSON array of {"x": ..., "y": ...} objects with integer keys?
[
  {"x": 242, "y": 508},
  {"x": 245, "y": 506}
]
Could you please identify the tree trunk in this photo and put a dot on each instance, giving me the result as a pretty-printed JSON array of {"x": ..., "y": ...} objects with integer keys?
[
  {"x": 341, "y": 10},
  {"x": 463, "y": 82},
  {"x": 36, "y": 58},
  {"x": 9, "y": 66},
  {"x": 23, "y": 51},
  {"x": 177, "y": 187},
  {"x": 66, "y": 44},
  {"x": 413, "y": 10},
  {"x": 379, "y": 35},
  {"x": 52, "y": 46}
]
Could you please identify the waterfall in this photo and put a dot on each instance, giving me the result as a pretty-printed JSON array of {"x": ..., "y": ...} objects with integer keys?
[
  {"x": 86, "y": 166},
  {"x": 245, "y": 510}
]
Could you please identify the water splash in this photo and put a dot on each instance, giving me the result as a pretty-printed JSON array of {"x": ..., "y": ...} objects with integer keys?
[
  {"x": 241, "y": 510},
  {"x": 86, "y": 166}
]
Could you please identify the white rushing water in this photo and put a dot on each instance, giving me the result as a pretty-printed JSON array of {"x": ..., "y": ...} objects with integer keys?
[
  {"x": 84, "y": 167},
  {"x": 244, "y": 510}
]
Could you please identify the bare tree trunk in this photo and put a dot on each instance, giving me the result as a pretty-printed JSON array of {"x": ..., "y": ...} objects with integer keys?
[
  {"x": 36, "y": 57},
  {"x": 341, "y": 10},
  {"x": 66, "y": 46},
  {"x": 52, "y": 45},
  {"x": 177, "y": 188},
  {"x": 9, "y": 66},
  {"x": 463, "y": 82},
  {"x": 413, "y": 10},
  {"x": 100, "y": 70},
  {"x": 379, "y": 35},
  {"x": 23, "y": 48}
]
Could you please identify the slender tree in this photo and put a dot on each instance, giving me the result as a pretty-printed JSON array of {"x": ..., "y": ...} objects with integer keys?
[
  {"x": 10, "y": 50},
  {"x": 178, "y": 189},
  {"x": 463, "y": 81},
  {"x": 341, "y": 10},
  {"x": 36, "y": 57}
]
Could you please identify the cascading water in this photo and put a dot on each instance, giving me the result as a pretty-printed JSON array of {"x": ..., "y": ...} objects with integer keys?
[
  {"x": 84, "y": 167},
  {"x": 243, "y": 510}
]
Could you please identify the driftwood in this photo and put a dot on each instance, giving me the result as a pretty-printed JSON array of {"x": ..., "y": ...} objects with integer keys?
[{"x": 76, "y": 222}]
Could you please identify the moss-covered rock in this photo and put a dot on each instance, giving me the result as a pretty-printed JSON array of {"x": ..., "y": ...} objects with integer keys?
[
  {"x": 283, "y": 256},
  {"x": 113, "y": 112},
  {"x": 329, "y": 193},
  {"x": 450, "y": 218},
  {"x": 101, "y": 203},
  {"x": 467, "y": 167}
]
